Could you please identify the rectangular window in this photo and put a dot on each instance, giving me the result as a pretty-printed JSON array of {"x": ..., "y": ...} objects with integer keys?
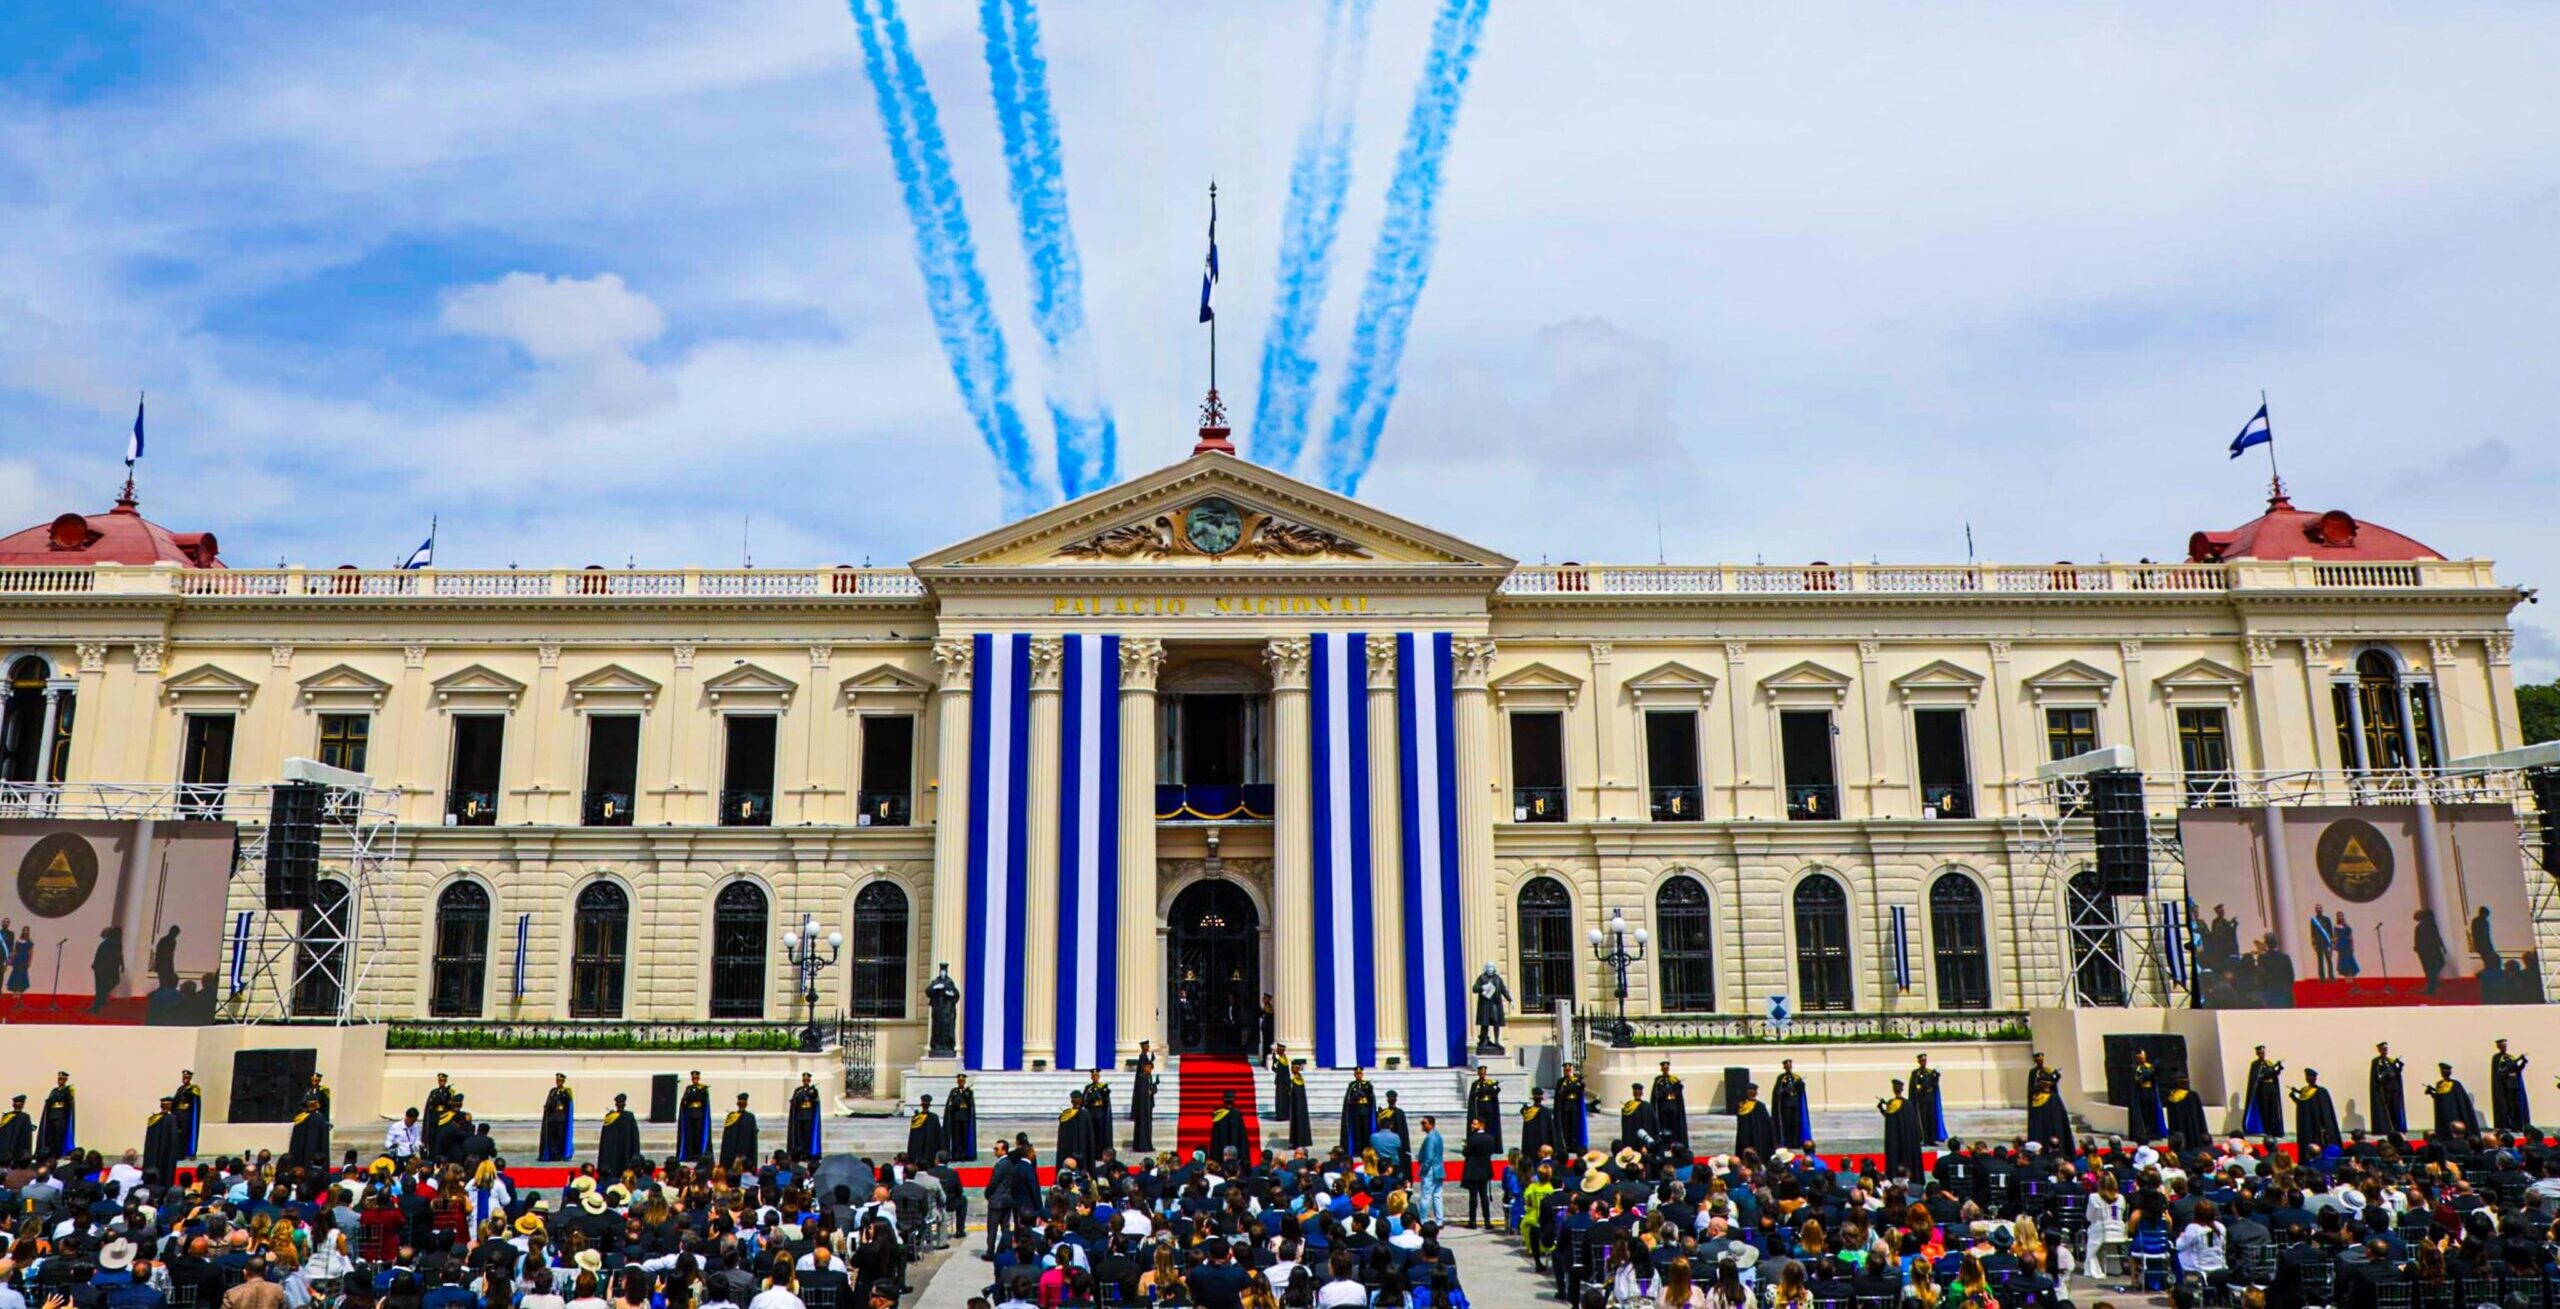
[
  {"x": 1813, "y": 788},
  {"x": 206, "y": 767},
  {"x": 888, "y": 770},
  {"x": 1537, "y": 767},
  {"x": 2069, "y": 732},
  {"x": 2204, "y": 756},
  {"x": 1946, "y": 771},
  {"x": 343, "y": 738},
  {"x": 471, "y": 790},
  {"x": 746, "y": 778},
  {"x": 1671, "y": 765},
  {"x": 613, "y": 770}
]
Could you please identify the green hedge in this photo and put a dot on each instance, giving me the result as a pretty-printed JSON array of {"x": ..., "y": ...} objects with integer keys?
[
  {"x": 1929, "y": 1035},
  {"x": 758, "y": 1040}
]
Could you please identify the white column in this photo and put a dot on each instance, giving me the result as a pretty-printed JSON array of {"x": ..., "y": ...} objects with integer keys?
[
  {"x": 1141, "y": 658},
  {"x": 1292, "y": 845},
  {"x": 1040, "y": 850},
  {"x": 2289, "y": 928},
  {"x": 1474, "y": 668},
  {"x": 950, "y": 787},
  {"x": 44, "y": 739},
  {"x": 1386, "y": 845},
  {"x": 2362, "y": 759}
]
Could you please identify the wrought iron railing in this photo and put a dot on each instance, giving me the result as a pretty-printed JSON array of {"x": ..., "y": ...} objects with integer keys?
[
  {"x": 1678, "y": 804},
  {"x": 1537, "y": 804},
  {"x": 591, "y": 1034},
  {"x": 470, "y": 809},
  {"x": 1178, "y": 802},
  {"x": 605, "y": 809},
  {"x": 1813, "y": 802},
  {"x": 884, "y": 809},
  {"x": 1733, "y": 1029},
  {"x": 1948, "y": 801},
  {"x": 746, "y": 807}
]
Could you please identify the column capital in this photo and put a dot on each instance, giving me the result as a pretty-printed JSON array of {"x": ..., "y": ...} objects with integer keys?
[
  {"x": 958, "y": 658},
  {"x": 1141, "y": 658},
  {"x": 2502, "y": 648},
  {"x": 1473, "y": 656},
  {"x": 1048, "y": 661},
  {"x": 1382, "y": 663},
  {"x": 1286, "y": 657}
]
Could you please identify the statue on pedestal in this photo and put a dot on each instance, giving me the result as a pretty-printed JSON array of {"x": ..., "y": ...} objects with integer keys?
[
  {"x": 1493, "y": 1001},
  {"x": 943, "y": 998}
]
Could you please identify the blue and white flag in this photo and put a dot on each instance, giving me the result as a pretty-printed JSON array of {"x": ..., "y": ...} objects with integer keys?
[
  {"x": 524, "y": 944},
  {"x": 133, "y": 448},
  {"x": 425, "y": 555},
  {"x": 1209, "y": 273},
  {"x": 2256, "y": 433},
  {"x": 999, "y": 869},
  {"x": 1901, "y": 949},
  {"x": 1346, "y": 968},
  {"x": 1089, "y": 851},
  {"x": 1434, "y": 916}
]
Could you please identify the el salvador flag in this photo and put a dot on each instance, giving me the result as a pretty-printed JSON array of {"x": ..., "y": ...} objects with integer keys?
[
  {"x": 1209, "y": 274},
  {"x": 133, "y": 448},
  {"x": 425, "y": 555},
  {"x": 2256, "y": 433}
]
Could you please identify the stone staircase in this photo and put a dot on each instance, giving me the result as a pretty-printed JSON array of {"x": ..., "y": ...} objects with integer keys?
[{"x": 1041, "y": 1096}]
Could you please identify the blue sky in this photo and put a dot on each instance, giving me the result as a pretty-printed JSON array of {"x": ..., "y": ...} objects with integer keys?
[{"x": 596, "y": 283}]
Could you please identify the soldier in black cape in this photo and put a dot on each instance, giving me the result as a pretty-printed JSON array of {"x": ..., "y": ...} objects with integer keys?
[
  {"x": 559, "y": 1121},
  {"x": 1484, "y": 1104},
  {"x": 617, "y": 1141},
  {"x": 320, "y": 1093},
  {"x": 1926, "y": 1102},
  {"x": 1753, "y": 1128},
  {"x": 1573, "y": 1111},
  {"x": 2185, "y": 1112},
  {"x": 1670, "y": 1106},
  {"x": 1227, "y": 1132},
  {"x": 2510, "y": 1109},
  {"x": 960, "y": 1121},
  {"x": 160, "y": 1143},
  {"x": 1359, "y": 1112},
  {"x": 1075, "y": 1131},
  {"x": 439, "y": 1096},
  {"x": 739, "y": 1148},
  {"x": 1142, "y": 1100},
  {"x": 925, "y": 1134},
  {"x": 309, "y": 1144},
  {"x": 1391, "y": 1118},
  {"x": 189, "y": 1101},
  {"x": 17, "y": 1134},
  {"x": 2048, "y": 1119},
  {"x": 452, "y": 1133},
  {"x": 1537, "y": 1129},
  {"x": 58, "y": 1124},
  {"x": 1902, "y": 1133},
  {"x": 2388, "y": 1098},
  {"x": 804, "y": 1129},
  {"x": 1792, "y": 1107},
  {"x": 693, "y": 1121},
  {"x": 1099, "y": 1132},
  {"x": 1286, "y": 1087},
  {"x": 2315, "y": 1118},
  {"x": 2456, "y": 1116},
  {"x": 2262, "y": 1097},
  {"x": 1636, "y": 1126},
  {"x": 1301, "y": 1130}
]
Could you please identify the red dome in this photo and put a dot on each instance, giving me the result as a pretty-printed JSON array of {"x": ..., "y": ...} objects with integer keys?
[
  {"x": 119, "y": 536},
  {"x": 2284, "y": 532}
]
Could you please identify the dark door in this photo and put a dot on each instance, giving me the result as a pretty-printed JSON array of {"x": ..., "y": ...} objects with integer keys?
[{"x": 1215, "y": 961}]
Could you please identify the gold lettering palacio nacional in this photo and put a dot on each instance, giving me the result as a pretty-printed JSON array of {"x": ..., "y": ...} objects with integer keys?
[{"x": 656, "y": 771}]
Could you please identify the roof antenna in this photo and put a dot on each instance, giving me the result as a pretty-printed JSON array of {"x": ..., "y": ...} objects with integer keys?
[
  {"x": 746, "y": 553},
  {"x": 1660, "y": 557},
  {"x": 1968, "y": 541}
]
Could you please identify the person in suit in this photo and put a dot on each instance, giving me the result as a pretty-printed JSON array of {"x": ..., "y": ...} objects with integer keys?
[
  {"x": 1476, "y": 1175},
  {"x": 1431, "y": 1164},
  {"x": 999, "y": 1197}
]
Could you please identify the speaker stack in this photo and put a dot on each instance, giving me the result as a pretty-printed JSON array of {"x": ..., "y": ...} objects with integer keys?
[
  {"x": 2123, "y": 830},
  {"x": 293, "y": 844},
  {"x": 2546, "y": 803}
]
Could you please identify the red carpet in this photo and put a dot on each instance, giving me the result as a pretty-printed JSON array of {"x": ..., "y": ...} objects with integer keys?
[
  {"x": 2314, "y": 994},
  {"x": 1206, "y": 1079}
]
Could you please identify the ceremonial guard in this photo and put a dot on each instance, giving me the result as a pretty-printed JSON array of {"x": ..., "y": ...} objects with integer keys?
[
  {"x": 1537, "y": 1130},
  {"x": 320, "y": 1093},
  {"x": 1142, "y": 1100},
  {"x": 187, "y": 1102},
  {"x": 1097, "y": 1113},
  {"x": 2144, "y": 1116},
  {"x": 2509, "y": 1109},
  {"x": 17, "y": 1135},
  {"x": 452, "y": 1134},
  {"x": 1359, "y": 1112},
  {"x": 1573, "y": 1110},
  {"x": 1792, "y": 1107},
  {"x": 2315, "y": 1118},
  {"x": 58, "y": 1124},
  {"x": 1636, "y": 1126},
  {"x": 1484, "y": 1104},
  {"x": 2384, "y": 1092},
  {"x": 2048, "y": 1119},
  {"x": 559, "y": 1122},
  {"x": 2185, "y": 1110},
  {"x": 1227, "y": 1132},
  {"x": 617, "y": 1141},
  {"x": 309, "y": 1144},
  {"x": 1074, "y": 1131},
  {"x": 2456, "y": 1116},
  {"x": 1753, "y": 1128},
  {"x": 960, "y": 1121},
  {"x": 2262, "y": 1099},
  {"x": 805, "y": 1129},
  {"x": 1670, "y": 1106},
  {"x": 1901, "y": 1134},
  {"x": 439, "y": 1098},
  {"x": 925, "y": 1134},
  {"x": 1302, "y": 1130},
  {"x": 160, "y": 1143},
  {"x": 1286, "y": 1087},
  {"x": 1391, "y": 1119},
  {"x": 1925, "y": 1104},
  {"x": 693, "y": 1121},
  {"x": 739, "y": 1146}
]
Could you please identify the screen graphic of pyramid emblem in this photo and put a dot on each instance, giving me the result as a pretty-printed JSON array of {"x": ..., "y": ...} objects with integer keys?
[
  {"x": 57, "y": 875},
  {"x": 2355, "y": 860}
]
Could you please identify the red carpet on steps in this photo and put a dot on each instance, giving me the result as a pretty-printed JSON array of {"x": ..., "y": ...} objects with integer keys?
[{"x": 1205, "y": 1080}]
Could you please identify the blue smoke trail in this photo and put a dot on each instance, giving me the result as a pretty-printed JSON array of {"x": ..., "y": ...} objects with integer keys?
[
  {"x": 1319, "y": 176},
  {"x": 1402, "y": 262},
  {"x": 1088, "y": 440},
  {"x": 946, "y": 254}
]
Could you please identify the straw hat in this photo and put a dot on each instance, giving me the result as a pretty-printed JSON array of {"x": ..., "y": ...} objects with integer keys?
[
  {"x": 118, "y": 1253},
  {"x": 592, "y": 1203},
  {"x": 528, "y": 1226},
  {"x": 590, "y": 1261},
  {"x": 1595, "y": 1182}
]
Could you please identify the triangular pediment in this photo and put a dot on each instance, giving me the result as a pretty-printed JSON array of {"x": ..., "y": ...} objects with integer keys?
[
  {"x": 1212, "y": 511},
  {"x": 1534, "y": 682},
  {"x": 883, "y": 684},
  {"x": 2073, "y": 676},
  {"x": 1672, "y": 683},
  {"x": 749, "y": 682},
  {"x": 613, "y": 683},
  {"x": 1942, "y": 676},
  {"x": 208, "y": 684},
  {"x": 477, "y": 680},
  {"x": 1807, "y": 674},
  {"x": 343, "y": 684},
  {"x": 2205, "y": 673}
]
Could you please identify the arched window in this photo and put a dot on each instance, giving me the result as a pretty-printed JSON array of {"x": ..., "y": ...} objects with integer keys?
[
  {"x": 320, "y": 959},
  {"x": 1959, "y": 942},
  {"x": 2386, "y": 723},
  {"x": 2097, "y": 958},
  {"x": 1822, "y": 945},
  {"x": 30, "y": 705},
  {"x": 599, "y": 944},
  {"x": 461, "y": 969},
  {"x": 1546, "y": 945},
  {"x": 879, "y": 973},
  {"x": 1684, "y": 932},
  {"x": 738, "y": 925}
]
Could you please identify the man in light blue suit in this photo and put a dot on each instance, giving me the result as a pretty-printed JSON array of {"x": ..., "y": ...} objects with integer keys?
[{"x": 1432, "y": 1159}]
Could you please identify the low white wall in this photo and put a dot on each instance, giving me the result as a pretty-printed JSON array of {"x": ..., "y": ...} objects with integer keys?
[{"x": 1844, "y": 1075}]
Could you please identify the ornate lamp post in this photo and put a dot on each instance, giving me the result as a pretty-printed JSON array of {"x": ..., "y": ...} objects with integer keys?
[
  {"x": 803, "y": 948},
  {"x": 1610, "y": 947}
]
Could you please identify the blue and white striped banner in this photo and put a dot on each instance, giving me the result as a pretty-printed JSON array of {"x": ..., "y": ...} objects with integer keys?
[
  {"x": 1435, "y": 942},
  {"x": 1345, "y": 939},
  {"x": 2173, "y": 933},
  {"x": 999, "y": 825},
  {"x": 524, "y": 943},
  {"x": 1901, "y": 948},
  {"x": 240, "y": 953},
  {"x": 1089, "y": 852}
]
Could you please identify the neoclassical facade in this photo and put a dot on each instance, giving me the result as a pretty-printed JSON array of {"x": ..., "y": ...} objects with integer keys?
[{"x": 1799, "y": 779}]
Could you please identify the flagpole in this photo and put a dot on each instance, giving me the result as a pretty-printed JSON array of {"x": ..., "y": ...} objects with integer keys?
[
  {"x": 1213, "y": 318},
  {"x": 2275, "y": 476}
]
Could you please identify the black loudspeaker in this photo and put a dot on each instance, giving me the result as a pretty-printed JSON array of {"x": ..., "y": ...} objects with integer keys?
[
  {"x": 2168, "y": 1059},
  {"x": 2546, "y": 802},
  {"x": 1734, "y": 1080},
  {"x": 293, "y": 844},
  {"x": 2123, "y": 829},
  {"x": 662, "y": 1098},
  {"x": 267, "y": 1085}
]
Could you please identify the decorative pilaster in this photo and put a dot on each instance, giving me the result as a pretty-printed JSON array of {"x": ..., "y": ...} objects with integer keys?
[
  {"x": 2501, "y": 650},
  {"x": 1386, "y": 844},
  {"x": 950, "y": 792},
  {"x": 1040, "y": 859},
  {"x": 1292, "y": 843},
  {"x": 1141, "y": 1015},
  {"x": 1473, "y": 657},
  {"x": 1737, "y": 727}
]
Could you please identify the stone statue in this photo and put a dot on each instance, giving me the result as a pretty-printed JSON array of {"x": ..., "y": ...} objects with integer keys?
[
  {"x": 943, "y": 997},
  {"x": 1493, "y": 1001}
]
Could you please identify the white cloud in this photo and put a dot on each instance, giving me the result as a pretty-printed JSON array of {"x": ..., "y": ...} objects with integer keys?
[{"x": 556, "y": 318}]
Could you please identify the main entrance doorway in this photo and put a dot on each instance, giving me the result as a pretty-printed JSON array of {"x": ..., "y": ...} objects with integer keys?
[{"x": 1214, "y": 961}]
